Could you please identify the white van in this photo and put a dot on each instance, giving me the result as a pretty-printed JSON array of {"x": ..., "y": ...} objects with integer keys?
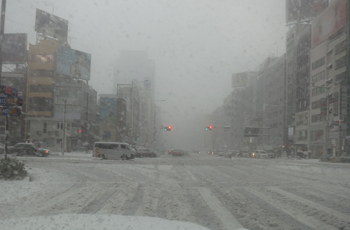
[{"x": 113, "y": 150}]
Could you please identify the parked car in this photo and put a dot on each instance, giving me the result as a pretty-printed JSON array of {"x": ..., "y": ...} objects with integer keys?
[
  {"x": 271, "y": 153},
  {"x": 29, "y": 149},
  {"x": 259, "y": 154},
  {"x": 177, "y": 152},
  {"x": 245, "y": 154},
  {"x": 170, "y": 151},
  {"x": 113, "y": 150},
  {"x": 144, "y": 152}
]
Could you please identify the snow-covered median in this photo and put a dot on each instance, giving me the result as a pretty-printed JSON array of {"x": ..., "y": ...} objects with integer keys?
[{"x": 105, "y": 222}]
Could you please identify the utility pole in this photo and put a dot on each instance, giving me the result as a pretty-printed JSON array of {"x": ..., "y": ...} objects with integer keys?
[
  {"x": 2, "y": 29},
  {"x": 64, "y": 127},
  {"x": 132, "y": 113}
]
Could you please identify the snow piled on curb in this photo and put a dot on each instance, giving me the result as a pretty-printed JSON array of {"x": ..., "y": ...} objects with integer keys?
[{"x": 106, "y": 222}]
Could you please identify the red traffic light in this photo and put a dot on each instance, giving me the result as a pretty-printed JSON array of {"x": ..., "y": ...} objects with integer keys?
[
  {"x": 210, "y": 127},
  {"x": 79, "y": 130},
  {"x": 169, "y": 128}
]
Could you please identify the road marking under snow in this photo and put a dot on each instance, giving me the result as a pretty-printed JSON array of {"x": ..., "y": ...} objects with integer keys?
[
  {"x": 312, "y": 204},
  {"x": 189, "y": 172},
  {"x": 310, "y": 221},
  {"x": 227, "y": 219}
]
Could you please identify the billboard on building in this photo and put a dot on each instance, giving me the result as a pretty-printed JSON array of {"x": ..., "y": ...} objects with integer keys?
[
  {"x": 51, "y": 25},
  {"x": 73, "y": 63},
  {"x": 108, "y": 107},
  {"x": 299, "y": 10},
  {"x": 329, "y": 22},
  {"x": 14, "y": 48}
]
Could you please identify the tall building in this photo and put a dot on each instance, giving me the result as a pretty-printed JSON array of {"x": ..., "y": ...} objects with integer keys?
[
  {"x": 135, "y": 68},
  {"x": 274, "y": 103},
  {"x": 298, "y": 129},
  {"x": 54, "y": 98},
  {"x": 328, "y": 96},
  {"x": 295, "y": 99}
]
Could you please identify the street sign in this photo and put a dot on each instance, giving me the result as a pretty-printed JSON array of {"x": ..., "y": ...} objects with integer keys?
[
  {"x": 9, "y": 111},
  {"x": 8, "y": 91},
  {"x": 10, "y": 101}
]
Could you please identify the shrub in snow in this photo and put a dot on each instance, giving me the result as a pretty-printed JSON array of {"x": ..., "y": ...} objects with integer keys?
[{"x": 12, "y": 169}]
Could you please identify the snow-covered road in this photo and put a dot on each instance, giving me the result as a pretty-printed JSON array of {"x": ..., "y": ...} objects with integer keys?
[{"x": 214, "y": 192}]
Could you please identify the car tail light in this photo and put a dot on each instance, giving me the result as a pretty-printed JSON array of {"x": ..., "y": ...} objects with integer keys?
[
  {"x": 46, "y": 151},
  {"x": 253, "y": 154}
]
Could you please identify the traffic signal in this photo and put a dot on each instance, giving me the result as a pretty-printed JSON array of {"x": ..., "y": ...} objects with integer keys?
[
  {"x": 167, "y": 128},
  {"x": 210, "y": 127},
  {"x": 206, "y": 128}
]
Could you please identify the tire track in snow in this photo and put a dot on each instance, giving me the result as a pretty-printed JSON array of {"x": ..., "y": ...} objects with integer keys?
[
  {"x": 134, "y": 206},
  {"x": 278, "y": 213},
  {"x": 227, "y": 219},
  {"x": 328, "y": 200},
  {"x": 329, "y": 211},
  {"x": 99, "y": 202},
  {"x": 295, "y": 212}
]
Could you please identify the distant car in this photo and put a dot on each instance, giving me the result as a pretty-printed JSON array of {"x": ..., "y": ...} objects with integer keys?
[
  {"x": 231, "y": 153},
  {"x": 21, "y": 149},
  {"x": 144, "y": 152},
  {"x": 259, "y": 154},
  {"x": 177, "y": 152},
  {"x": 170, "y": 151},
  {"x": 271, "y": 153}
]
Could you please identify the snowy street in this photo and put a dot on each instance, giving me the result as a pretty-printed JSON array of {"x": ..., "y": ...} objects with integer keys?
[{"x": 211, "y": 191}]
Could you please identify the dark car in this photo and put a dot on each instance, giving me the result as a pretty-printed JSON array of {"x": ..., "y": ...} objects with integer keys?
[
  {"x": 177, "y": 152},
  {"x": 144, "y": 152},
  {"x": 21, "y": 149}
]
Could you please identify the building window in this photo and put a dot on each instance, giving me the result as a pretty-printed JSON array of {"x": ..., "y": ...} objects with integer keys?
[
  {"x": 40, "y": 104},
  {"x": 316, "y": 135},
  {"x": 316, "y": 104},
  {"x": 45, "y": 127},
  {"x": 320, "y": 62},
  {"x": 50, "y": 142},
  {"x": 340, "y": 47},
  {"x": 319, "y": 76},
  {"x": 41, "y": 88},
  {"x": 340, "y": 62},
  {"x": 319, "y": 90},
  {"x": 41, "y": 73}
]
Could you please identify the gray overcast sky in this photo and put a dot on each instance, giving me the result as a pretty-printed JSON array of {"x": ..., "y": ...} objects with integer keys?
[{"x": 196, "y": 44}]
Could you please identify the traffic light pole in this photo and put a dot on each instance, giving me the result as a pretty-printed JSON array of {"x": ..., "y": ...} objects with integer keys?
[{"x": 6, "y": 131}]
